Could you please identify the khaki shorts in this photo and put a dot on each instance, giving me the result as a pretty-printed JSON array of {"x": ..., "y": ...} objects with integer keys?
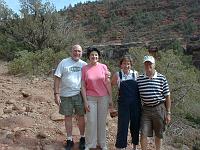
[
  {"x": 72, "y": 105},
  {"x": 153, "y": 120}
]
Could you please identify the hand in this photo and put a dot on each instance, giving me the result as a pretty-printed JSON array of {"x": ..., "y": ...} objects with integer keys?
[
  {"x": 87, "y": 107},
  {"x": 168, "y": 119},
  {"x": 57, "y": 99},
  {"x": 110, "y": 105},
  {"x": 113, "y": 113},
  {"x": 108, "y": 75}
]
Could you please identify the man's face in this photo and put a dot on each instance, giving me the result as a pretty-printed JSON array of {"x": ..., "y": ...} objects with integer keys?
[
  {"x": 76, "y": 53},
  {"x": 149, "y": 67}
]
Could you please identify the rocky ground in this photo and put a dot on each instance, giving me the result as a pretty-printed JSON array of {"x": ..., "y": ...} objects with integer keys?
[{"x": 29, "y": 118}]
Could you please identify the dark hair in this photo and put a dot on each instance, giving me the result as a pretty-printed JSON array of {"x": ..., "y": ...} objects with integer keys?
[
  {"x": 91, "y": 49},
  {"x": 126, "y": 57}
]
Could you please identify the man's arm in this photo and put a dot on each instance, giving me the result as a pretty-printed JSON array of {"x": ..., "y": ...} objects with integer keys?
[
  {"x": 168, "y": 109},
  {"x": 168, "y": 103},
  {"x": 57, "y": 82}
]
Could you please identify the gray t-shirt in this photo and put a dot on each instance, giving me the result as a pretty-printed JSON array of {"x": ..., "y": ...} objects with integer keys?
[{"x": 70, "y": 73}]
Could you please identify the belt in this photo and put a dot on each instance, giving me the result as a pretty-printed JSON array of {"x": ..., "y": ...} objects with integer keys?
[{"x": 154, "y": 104}]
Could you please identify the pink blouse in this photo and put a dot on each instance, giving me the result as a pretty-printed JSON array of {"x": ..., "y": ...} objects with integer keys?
[{"x": 95, "y": 77}]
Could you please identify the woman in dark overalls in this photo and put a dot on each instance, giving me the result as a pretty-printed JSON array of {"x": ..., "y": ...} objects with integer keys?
[{"x": 129, "y": 105}]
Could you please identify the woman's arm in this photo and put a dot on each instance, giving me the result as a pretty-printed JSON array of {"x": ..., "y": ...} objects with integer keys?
[
  {"x": 114, "y": 80},
  {"x": 83, "y": 92},
  {"x": 109, "y": 88}
]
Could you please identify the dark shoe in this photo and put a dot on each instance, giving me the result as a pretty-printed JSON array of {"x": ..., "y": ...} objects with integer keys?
[
  {"x": 69, "y": 145},
  {"x": 82, "y": 143}
]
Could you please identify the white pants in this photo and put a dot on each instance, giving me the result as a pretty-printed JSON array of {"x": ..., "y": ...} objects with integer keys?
[{"x": 95, "y": 133}]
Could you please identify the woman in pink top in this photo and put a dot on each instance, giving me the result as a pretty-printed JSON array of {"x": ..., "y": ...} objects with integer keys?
[{"x": 97, "y": 96}]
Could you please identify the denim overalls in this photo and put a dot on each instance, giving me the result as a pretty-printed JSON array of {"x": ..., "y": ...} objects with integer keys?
[{"x": 129, "y": 110}]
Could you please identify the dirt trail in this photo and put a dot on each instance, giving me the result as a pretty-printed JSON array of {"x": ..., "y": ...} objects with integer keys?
[{"x": 29, "y": 118}]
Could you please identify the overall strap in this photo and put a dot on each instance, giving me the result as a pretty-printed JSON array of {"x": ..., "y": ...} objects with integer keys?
[
  {"x": 133, "y": 76},
  {"x": 120, "y": 75}
]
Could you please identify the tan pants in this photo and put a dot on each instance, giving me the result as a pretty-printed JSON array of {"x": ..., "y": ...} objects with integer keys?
[{"x": 96, "y": 122}]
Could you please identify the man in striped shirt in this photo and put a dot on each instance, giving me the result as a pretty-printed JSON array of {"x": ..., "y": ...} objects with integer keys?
[{"x": 155, "y": 97}]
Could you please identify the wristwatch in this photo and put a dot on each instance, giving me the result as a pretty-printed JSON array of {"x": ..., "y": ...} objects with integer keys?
[
  {"x": 168, "y": 113},
  {"x": 56, "y": 93}
]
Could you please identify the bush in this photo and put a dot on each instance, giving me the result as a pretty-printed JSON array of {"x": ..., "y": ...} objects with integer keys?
[
  {"x": 183, "y": 81},
  {"x": 142, "y": 19},
  {"x": 9, "y": 48},
  {"x": 35, "y": 63}
]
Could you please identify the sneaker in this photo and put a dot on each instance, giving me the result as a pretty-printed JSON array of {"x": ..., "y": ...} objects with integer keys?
[
  {"x": 69, "y": 145},
  {"x": 82, "y": 143}
]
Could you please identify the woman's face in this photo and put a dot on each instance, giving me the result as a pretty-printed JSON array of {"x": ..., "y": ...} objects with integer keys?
[
  {"x": 94, "y": 57},
  {"x": 126, "y": 65}
]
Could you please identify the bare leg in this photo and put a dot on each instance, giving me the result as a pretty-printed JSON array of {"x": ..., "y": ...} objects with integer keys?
[
  {"x": 68, "y": 125},
  {"x": 143, "y": 142},
  {"x": 81, "y": 124},
  {"x": 158, "y": 143}
]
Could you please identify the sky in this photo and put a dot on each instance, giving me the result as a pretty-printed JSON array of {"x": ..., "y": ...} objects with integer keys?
[{"x": 59, "y": 4}]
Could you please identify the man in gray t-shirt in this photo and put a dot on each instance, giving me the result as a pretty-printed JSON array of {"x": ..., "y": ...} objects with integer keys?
[{"x": 67, "y": 84}]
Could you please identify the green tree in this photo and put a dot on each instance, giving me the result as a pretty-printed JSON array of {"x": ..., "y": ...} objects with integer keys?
[
  {"x": 5, "y": 12},
  {"x": 39, "y": 24}
]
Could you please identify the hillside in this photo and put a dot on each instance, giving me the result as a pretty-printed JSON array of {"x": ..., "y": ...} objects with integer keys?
[
  {"x": 137, "y": 20},
  {"x": 147, "y": 23}
]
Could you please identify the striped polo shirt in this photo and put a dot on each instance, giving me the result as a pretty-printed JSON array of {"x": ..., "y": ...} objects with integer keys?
[{"x": 153, "y": 91}]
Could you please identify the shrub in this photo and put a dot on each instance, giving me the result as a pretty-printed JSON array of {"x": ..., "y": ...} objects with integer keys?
[{"x": 35, "y": 63}]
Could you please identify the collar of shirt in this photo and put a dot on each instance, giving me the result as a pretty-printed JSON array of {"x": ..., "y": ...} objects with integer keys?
[
  {"x": 125, "y": 76},
  {"x": 154, "y": 76}
]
